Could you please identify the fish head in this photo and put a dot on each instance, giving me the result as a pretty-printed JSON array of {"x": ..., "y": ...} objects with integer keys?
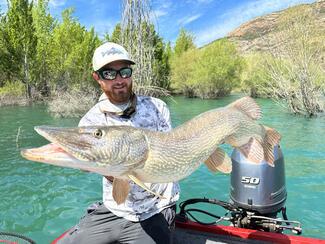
[{"x": 117, "y": 148}]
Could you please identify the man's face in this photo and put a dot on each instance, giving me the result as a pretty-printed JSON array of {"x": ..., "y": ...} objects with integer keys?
[{"x": 118, "y": 90}]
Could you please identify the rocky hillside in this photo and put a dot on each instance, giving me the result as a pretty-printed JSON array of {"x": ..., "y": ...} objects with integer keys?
[{"x": 261, "y": 33}]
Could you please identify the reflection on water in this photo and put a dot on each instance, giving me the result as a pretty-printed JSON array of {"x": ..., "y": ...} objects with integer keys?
[{"x": 41, "y": 201}]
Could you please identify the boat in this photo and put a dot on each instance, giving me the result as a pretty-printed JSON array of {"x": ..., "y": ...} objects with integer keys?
[
  {"x": 257, "y": 195},
  {"x": 191, "y": 232}
]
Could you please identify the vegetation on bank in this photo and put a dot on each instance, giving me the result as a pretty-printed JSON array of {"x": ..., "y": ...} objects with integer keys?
[
  {"x": 210, "y": 72},
  {"x": 44, "y": 59},
  {"x": 293, "y": 71}
]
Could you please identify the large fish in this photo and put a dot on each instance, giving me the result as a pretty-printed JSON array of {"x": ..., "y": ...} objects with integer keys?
[{"x": 146, "y": 156}]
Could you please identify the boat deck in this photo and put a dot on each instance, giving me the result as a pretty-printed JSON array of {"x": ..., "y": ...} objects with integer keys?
[
  {"x": 190, "y": 232},
  {"x": 181, "y": 236}
]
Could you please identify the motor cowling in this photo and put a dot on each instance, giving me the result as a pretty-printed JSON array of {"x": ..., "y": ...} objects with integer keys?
[{"x": 258, "y": 187}]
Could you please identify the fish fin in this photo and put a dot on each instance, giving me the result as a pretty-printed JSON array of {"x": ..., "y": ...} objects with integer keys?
[
  {"x": 248, "y": 106},
  {"x": 141, "y": 184},
  {"x": 120, "y": 190},
  {"x": 269, "y": 154},
  {"x": 219, "y": 161},
  {"x": 253, "y": 150},
  {"x": 272, "y": 138}
]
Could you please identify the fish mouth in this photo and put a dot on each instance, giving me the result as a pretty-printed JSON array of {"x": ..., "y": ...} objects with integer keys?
[
  {"x": 45, "y": 153},
  {"x": 71, "y": 140},
  {"x": 56, "y": 155}
]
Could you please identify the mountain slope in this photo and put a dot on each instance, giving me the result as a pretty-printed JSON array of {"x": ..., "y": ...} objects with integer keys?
[{"x": 262, "y": 33}]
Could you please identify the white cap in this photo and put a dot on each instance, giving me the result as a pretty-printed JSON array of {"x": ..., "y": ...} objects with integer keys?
[{"x": 109, "y": 52}]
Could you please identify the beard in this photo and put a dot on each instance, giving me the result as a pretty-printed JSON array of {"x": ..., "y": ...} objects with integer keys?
[{"x": 119, "y": 94}]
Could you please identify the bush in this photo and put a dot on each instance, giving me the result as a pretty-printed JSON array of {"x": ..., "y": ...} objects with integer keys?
[
  {"x": 72, "y": 103},
  {"x": 12, "y": 93},
  {"x": 13, "y": 89},
  {"x": 254, "y": 77}
]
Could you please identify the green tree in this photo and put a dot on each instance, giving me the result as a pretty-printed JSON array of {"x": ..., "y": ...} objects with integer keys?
[
  {"x": 78, "y": 63},
  {"x": 165, "y": 66},
  {"x": 18, "y": 43},
  {"x": 71, "y": 52},
  {"x": 44, "y": 24},
  {"x": 218, "y": 70},
  {"x": 182, "y": 70},
  {"x": 254, "y": 76},
  {"x": 116, "y": 34},
  {"x": 2, "y": 51},
  {"x": 184, "y": 42},
  {"x": 161, "y": 67},
  {"x": 210, "y": 72}
]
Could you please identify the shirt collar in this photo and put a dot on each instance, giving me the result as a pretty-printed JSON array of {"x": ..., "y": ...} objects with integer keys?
[{"x": 123, "y": 110}]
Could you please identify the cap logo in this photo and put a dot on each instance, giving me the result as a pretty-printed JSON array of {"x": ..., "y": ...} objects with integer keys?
[{"x": 111, "y": 51}]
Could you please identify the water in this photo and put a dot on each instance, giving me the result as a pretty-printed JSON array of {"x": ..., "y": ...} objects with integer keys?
[{"x": 41, "y": 201}]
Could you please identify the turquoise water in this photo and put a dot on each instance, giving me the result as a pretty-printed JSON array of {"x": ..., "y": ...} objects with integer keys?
[{"x": 41, "y": 201}]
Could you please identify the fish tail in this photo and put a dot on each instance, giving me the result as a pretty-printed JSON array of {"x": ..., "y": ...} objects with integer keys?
[
  {"x": 248, "y": 106},
  {"x": 272, "y": 138}
]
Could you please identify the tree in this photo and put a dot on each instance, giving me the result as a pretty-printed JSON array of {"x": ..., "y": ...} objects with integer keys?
[
  {"x": 254, "y": 76},
  {"x": 164, "y": 66},
  {"x": 2, "y": 51},
  {"x": 184, "y": 42},
  {"x": 18, "y": 43},
  {"x": 182, "y": 72},
  {"x": 44, "y": 25},
  {"x": 218, "y": 70},
  {"x": 209, "y": 72},
  {"x": 116, "y": 34},
  {"x": 78, "y": 62},
  {"x": 71, "y": 52},
  {"x": 138, "y": 37}
]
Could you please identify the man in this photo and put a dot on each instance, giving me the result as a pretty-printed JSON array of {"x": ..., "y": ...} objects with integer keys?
[{"x": 143, "y": 217}]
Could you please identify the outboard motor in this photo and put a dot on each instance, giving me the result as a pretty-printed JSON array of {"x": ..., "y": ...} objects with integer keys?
[
  {"x": 258, "y": 191},
  {"x": 257, "y": 194},
  {"x": 259, "y": 187}
]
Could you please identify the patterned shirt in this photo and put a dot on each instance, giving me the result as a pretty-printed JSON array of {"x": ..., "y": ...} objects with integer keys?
[{"x": 153, "y": 114}]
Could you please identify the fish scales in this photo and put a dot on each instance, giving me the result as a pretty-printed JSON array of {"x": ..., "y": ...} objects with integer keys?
[{"x": 179, "y": 148}]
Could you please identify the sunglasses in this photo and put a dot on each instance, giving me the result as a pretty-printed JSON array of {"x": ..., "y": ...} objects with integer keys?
[{"x": 110, "y": 74}]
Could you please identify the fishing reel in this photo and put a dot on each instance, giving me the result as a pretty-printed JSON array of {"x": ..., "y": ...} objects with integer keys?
[{"x": 257, "y": 195}]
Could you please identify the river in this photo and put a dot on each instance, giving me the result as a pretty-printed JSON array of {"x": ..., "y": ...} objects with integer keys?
[{"x": 41, "y": 201}]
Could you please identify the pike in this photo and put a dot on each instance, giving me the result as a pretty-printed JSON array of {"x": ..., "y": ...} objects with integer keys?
[{"x": 146, "y": 156}]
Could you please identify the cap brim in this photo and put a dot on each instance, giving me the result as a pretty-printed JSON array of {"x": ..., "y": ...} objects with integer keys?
[{"x": 126, "y": 60}]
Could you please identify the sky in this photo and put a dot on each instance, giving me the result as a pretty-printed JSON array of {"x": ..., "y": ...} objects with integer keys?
[{"x": 207, "y": 20}]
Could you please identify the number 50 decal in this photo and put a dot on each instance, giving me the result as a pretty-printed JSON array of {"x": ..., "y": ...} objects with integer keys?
[{"x": 250, "y": 180}]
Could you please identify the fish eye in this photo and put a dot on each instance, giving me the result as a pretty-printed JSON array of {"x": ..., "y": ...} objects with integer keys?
[{"x": 98, "y": 133}]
